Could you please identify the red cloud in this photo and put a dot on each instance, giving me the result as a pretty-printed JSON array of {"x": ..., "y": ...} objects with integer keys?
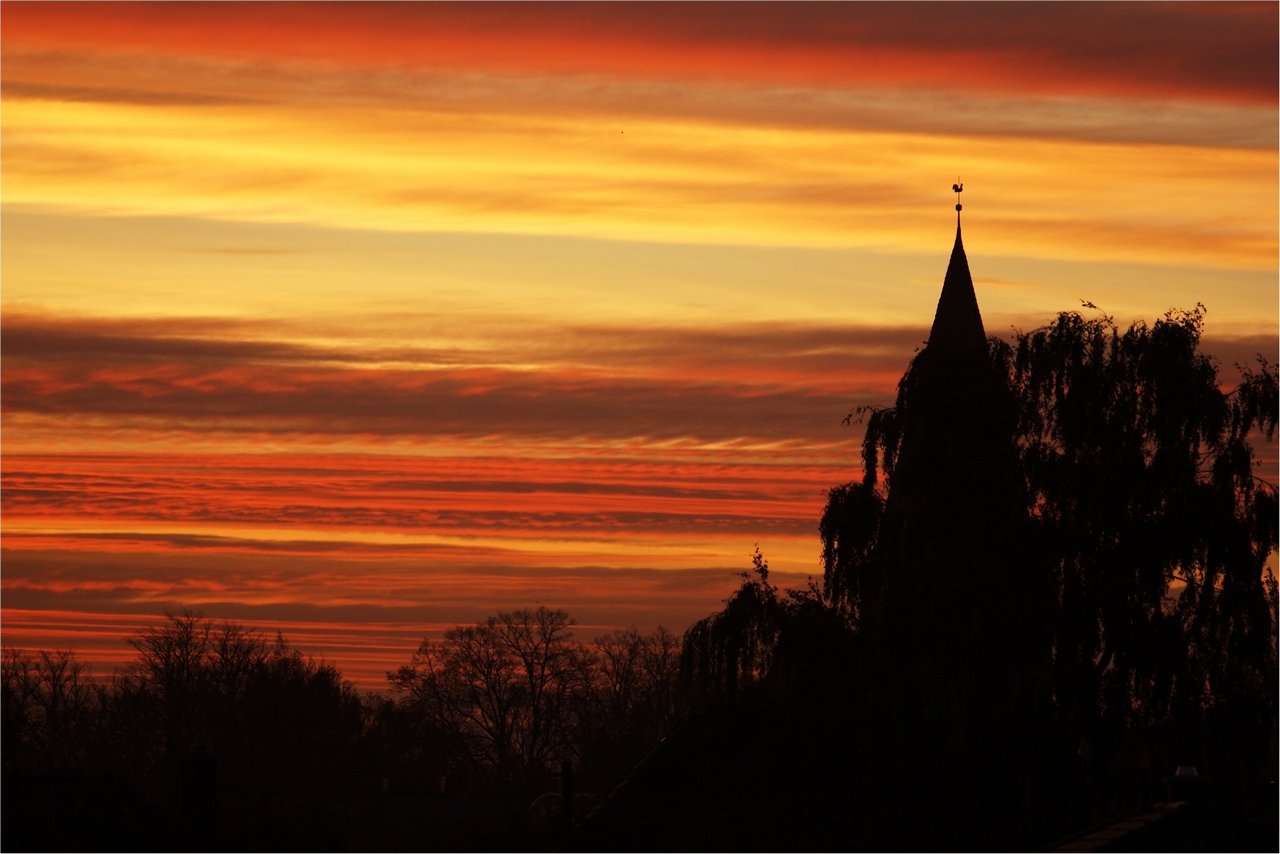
[{"x": 1179, "y": 50}]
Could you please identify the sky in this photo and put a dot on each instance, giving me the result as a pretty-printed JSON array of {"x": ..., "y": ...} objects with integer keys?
[{"x": 358, "y": 322}]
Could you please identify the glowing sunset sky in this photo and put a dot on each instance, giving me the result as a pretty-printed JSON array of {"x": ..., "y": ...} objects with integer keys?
[{"x": 359, "y": 321}]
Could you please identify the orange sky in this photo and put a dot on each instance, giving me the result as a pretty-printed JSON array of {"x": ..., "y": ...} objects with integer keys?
[{"x": 358, "y": 321}]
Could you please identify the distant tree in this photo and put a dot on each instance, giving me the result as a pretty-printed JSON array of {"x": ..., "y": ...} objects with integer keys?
[
  {"x": 300, "y": 726},
  {"x": 516, "y": 695},
  {"x": 660, "y": 660},
  {"x": 412, "y": 751},
  {"x": 173, "y": 665},
  {"x": 631, "y": 702},
  {"x": 274, "y": 719},
  {"x": 128, "y": 732},
  {"x": 19, "y": 684},
  {"x": 47, "y": 705},
  {"x": 209, "y": 718},
  {"x": 234, "y": 657},
  {"x": 63, "y": 698},
  {"x": 636, "y": 674},
  {"x": 505, "y": 688}
]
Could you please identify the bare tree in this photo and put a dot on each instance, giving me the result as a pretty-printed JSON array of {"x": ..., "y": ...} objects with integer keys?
[
  {"x": 637, "y": 675},
  {"x": 46, "y": 700},
  {"x": 63, "y": 697},
  {"x": 660, "y": 659},
  {"x": 172, "y": 662},
  {"x": 234, "y": 655},
  {"x": 621, "y": 674},
  {"x": 17, "y": 704},
  {"x": 504, "y": 688}
]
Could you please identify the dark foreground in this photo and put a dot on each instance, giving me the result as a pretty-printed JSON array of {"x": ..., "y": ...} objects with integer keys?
[{"x": 679, "y": 800}]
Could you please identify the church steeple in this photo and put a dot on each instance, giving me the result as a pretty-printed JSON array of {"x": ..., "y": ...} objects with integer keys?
[{"x": 957, "y": 323}]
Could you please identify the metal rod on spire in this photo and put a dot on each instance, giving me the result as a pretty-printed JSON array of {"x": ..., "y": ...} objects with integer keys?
[{"x": 958, "y": 188}]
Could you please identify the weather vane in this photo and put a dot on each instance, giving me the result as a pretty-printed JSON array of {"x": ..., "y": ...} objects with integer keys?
[{"x": 958, "y": 188}]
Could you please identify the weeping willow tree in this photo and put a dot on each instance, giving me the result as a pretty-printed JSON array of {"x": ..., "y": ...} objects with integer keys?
[
  {"x": 1153, "y": 517},
  {"x": 732, "y": 650}
]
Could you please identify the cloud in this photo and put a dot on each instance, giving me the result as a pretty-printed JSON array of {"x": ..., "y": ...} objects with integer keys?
[
  {"x": 744, "y": 383},
  {"x": 597, "y": 439},
  {"x": 303, "y": 601},
  {"x": 667, "y": 180},
  {"x": 118, "y": 95},
  {"x": 1180, "y": 49},
  {"x": 620, "y": 100}
]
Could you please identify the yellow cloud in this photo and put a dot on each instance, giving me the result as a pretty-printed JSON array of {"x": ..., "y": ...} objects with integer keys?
[{"x": 681, "y": 181}]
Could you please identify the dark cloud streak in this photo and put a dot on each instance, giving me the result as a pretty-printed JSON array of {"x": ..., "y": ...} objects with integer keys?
[
  {"x": 737, "y": 383},
  {"x": 1214, "y": 49}
]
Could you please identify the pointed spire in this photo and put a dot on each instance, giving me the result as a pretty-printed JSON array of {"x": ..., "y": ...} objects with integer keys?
[{"x": 957, "y": 323}]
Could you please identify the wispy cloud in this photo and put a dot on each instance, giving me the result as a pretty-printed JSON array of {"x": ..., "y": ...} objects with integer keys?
[{"x": 616, "y": 101}]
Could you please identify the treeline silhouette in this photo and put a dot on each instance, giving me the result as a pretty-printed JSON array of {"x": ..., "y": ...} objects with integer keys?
[{"x": 217, "y": 737}]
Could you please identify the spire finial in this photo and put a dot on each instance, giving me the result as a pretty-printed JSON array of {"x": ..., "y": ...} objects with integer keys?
[{"x": 958, "y": 188}]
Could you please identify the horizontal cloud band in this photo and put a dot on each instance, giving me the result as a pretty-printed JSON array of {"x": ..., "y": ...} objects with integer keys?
[{"x": 755, "y": 384}]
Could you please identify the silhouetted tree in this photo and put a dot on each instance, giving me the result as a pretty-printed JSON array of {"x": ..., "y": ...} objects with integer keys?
[
  {"x": 17, "y": 706},
  {"x": 63, "y": 700},
  {"x": 732, "y": 650},
  {"x": 412, "y": 751},
  {"x": 630, "y": 703},
  {"x": 300, "y": 726},
  {"x": 1156, "y": 527},
  {"x": 234, "y": 657},
  {"x": 515, "y": 696},
  {"x": 504, "y": 687},
  {"x": 47, "y": 706},
  {"x": 274, "y": 719},
  {"x": 199, "y": 737},
  {"x": 172, "y": 664},
  {"x": 636, "y": 676}
]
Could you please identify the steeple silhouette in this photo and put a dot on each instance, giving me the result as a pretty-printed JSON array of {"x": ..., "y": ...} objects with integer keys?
[
  {"x": 955, "y": 600},
  {"x": 957, "y": 323}
]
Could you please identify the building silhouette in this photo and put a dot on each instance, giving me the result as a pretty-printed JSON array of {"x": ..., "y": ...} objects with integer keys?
[
  {"x": 914, "y": 710},
  {"x": 950, "y": 538}
]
